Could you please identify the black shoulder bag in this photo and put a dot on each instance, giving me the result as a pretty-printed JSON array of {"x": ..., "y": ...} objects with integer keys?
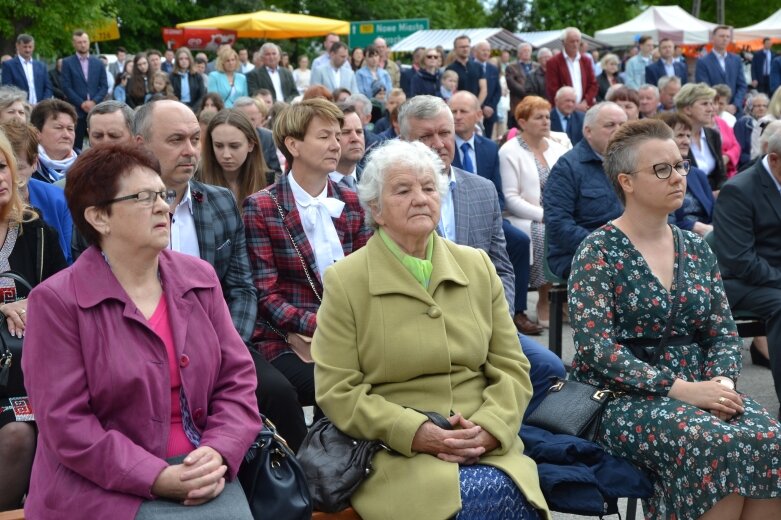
[{"x": 11, "y": 377}]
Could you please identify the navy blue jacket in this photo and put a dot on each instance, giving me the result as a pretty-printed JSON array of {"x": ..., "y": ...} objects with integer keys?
[
  {"x": 424, "y": 83},
  {"x": 709, "y": 71},
  {"x": 493, "y": 88},
  {"x": 579, "y": 477},
  {"x": 743, "y": 128},
  {"x": 578, "y": 198},
  {"x": 758, "y": 65},
  {"x": 574, "y": 128},
  {"x": 775, "y": 74},
  {"x": 487, "y": 157},
  {"x": 655, "y": 71},
  {"x": 13, "y": 74},
  {"x": 77, "y": 90},
  {"x": 697, "y": 184}
]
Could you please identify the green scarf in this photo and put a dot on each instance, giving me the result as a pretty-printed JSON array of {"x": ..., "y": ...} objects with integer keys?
[{"x": 419, "y": 269}]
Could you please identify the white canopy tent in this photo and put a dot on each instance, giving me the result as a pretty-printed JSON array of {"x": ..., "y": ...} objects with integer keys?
[
  {"x": 552, "y": 40},
  {"x": 770, "y": 27},
  {"x": 668, "y": 21},
  {"x": 500, "y": 39}
]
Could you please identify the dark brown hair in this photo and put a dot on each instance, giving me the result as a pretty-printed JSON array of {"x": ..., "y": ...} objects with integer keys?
[
  {"x": 50, "y": 109},
  {"x": 94, "y": 179}
]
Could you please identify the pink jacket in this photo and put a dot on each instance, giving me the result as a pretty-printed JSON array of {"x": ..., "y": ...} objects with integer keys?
[{"x": 98, "y": 381}]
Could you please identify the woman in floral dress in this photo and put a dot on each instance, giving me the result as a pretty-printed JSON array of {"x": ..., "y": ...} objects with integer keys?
[{"x": 715, "y": 453}]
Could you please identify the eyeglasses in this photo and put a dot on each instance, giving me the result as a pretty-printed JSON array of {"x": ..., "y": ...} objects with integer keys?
[
  {"x": 664, "y": 170},
  {"x": 147, "y": 198},
  {"x": 433, "y": 57}
]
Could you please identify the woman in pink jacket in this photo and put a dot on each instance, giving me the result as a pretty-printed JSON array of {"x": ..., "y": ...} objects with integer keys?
[{"x": 143, "y": 391}]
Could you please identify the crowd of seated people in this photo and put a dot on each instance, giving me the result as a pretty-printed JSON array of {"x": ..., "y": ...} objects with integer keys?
[{"x": 274, "y": 190}]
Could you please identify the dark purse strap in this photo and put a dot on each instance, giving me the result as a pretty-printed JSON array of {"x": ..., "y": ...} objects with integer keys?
[{"x": 668, "y": 328}]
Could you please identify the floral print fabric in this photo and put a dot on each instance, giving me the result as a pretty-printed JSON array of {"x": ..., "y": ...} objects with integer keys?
[{"x": 697, "y": 459}]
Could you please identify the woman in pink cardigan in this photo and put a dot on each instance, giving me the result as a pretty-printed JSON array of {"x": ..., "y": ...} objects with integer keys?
[{"x": 142, "y": 389}]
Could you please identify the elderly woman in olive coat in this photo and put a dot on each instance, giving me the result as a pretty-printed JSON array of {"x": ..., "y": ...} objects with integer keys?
[{"x": 415, "y": 322}]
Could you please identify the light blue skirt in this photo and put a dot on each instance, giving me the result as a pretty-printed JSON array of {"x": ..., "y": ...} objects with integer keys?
[{"x": 487, "y": 493}]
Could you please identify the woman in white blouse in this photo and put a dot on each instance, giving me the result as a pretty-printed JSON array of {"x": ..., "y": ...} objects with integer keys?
[{"x": 524, "y": 163}]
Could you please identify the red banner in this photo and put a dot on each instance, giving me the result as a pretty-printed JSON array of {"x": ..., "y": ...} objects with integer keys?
[{"x": 197, "y": 39}]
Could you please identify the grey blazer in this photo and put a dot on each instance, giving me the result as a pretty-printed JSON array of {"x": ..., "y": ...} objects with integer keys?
[
  {"x": 479, "y": 224},
  {"x": 223, "y": 244},
  {"x": 322, "y": 76}
]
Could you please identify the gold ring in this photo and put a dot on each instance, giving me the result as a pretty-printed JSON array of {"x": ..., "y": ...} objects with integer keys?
[
  {"x": 22, "y": 311},
  {"x": 721, "y": 400}
]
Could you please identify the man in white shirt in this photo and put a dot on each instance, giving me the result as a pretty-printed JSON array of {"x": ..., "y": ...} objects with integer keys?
[
  {"x": 244, "y": 62},
  {"x": 568, "y": 69},
  {"x": 205, "y": 221},
  {"x": 269, "y": 75},
  {"x": 26, "y": 73}
]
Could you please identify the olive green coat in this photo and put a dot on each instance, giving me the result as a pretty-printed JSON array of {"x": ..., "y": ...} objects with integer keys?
[{"x": 385, "y": 345}]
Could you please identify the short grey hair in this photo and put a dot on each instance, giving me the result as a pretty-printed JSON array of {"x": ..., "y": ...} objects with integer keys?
[
  {"x": 774, "y": 143},
  {"x": 365, "y": 102},
  {"x": 269, "y": 45},
  {"x": 524, "y": 45},
  {"x": 142, "y": 124},
  {"x": 566, "y": 89},
  {"x": 570, "y": 30},
  {"x": 607, "y": 58},
  {"x": 771, "y": 130},
  {"x": 244, "y": 101},
  {"x": 10, "y": 94},
  {"x": 25, "y": 38},
  {"x": 111, "y": 106},
  {"x": 544, "y": 51},
  {"x": 421, "y": 107},
  {"x": 648, "y": 86},
  {"x": 753, "y": 99},
  {"x": 412, "y": 156},
  {"x": 593, "y": 113},
  {"x": 666, "y": 80}
]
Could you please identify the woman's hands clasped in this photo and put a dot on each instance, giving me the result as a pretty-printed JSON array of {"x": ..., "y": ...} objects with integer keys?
[
  {"x": 712, "y": 396},
  {"x": 15, "y": 317},
  {"x": 465, "y": 444},
  {"x": 197, "y": 480}
]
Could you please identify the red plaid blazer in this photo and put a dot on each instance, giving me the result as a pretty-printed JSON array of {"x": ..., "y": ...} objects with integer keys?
[{"x": 286, "y": 301}]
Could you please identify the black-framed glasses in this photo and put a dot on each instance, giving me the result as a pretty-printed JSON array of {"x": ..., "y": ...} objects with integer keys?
[
  {"x": 434, "y": 57},
  {"x": 147, "y": 198},
  {"x": 664, "y": 170}
]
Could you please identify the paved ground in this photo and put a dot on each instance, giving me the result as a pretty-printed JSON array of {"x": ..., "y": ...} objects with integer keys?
[{"x": 754, "y": 381}]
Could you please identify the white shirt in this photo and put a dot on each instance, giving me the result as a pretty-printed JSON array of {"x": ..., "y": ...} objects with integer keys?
[
  {"x": 184, "y": 239},
  {"x": 447, "y": 219},
  {"x": 702, "y": 154},
  {"x": 277, "y": 82},
  {"x": 317, "y": 214},
  {"x": 722, "y": 60},
  {"x": 669, "y": 68},
  {"x": 27, "y": 66},
  {"x": 247, "y": 67},
  {"x": 575, "y": 74}
]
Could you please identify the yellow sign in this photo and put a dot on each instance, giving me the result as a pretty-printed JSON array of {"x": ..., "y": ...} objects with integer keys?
[{"x": 104, "y": 30}]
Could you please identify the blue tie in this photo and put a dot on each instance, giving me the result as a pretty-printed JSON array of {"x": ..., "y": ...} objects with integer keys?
[{"x": 467, "y": 162}]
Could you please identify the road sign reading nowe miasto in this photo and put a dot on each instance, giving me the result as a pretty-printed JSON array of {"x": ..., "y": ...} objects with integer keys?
[{"x": 393, "y": 31}]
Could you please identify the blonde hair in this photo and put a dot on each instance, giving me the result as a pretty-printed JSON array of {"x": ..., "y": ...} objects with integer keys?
[
  {"x": 16, "y": 211},
  {"x": 294, "y": 121},
  {"x": 691, "y": 93},
  {"x": 224, "y": 54}
]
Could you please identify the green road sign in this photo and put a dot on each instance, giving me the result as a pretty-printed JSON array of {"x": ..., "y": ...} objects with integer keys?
[{"x": 393, "y": 31}]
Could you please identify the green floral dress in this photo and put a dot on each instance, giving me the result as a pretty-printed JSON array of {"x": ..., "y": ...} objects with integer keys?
[{"x": 697, "y": 458}]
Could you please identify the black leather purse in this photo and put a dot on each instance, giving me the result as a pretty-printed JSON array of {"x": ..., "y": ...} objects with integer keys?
[
  {"x": 571, "y": 408},
  {"x": 335, "y": 464},
  {"x": 273, "y": 480},
  {"x": 11, "y": 377}
]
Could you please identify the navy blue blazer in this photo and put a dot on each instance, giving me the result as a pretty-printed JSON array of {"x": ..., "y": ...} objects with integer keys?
[
  {"x": 487, "y": 157},
  {"x": 77, "y": 90},
  {"x": 493, "y": 88},
  {"x": 655, "y": 71},
  {"x": 574, "y": 128},
  {"x": 775, "y": 74},
  {"x": 13, "y": 74},
  {"x": 697, "y": 184},
  {"x": 709, "y": 71},
  {"x": 758, "y": 64}
]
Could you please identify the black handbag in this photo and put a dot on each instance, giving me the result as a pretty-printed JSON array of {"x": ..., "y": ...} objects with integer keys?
[
  {"x": 335, "y": 464},
  {"x": 571, "y": 408},
  {"x": 273, "y": 480},
  {"x": 11, "y": 377}
]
